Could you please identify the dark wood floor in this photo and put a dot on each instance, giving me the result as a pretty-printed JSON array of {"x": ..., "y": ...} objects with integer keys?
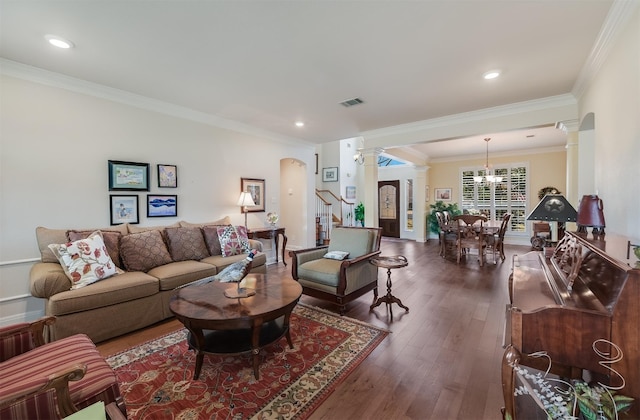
[{"x": 442, "y": 358}]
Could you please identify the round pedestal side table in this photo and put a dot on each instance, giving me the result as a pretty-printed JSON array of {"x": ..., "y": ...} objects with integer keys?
[{"x": 391, "y": 262}]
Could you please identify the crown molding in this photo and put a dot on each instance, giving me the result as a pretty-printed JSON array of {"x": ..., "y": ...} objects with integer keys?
[
  {"x": 472, "y": 116},
  {"x": 615, "y": 22},
  {"x": 61, "y": 81},
  {"x": 523, "y": 152}
]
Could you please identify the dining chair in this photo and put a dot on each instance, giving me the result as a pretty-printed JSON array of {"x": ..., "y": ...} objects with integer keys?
[
  {"x": 447, "y": 237},
  {"x": 470, "y": 235},
  {"x": 495, "y": 242}
]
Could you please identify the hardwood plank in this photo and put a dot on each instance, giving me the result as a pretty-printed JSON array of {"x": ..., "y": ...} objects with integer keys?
[{"x": 441, "y": 359}]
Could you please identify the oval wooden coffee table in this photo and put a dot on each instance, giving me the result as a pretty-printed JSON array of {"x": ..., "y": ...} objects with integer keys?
[{"x": 221, "y": 325}]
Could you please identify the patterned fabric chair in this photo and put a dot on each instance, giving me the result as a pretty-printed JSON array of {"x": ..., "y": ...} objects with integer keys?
[
  {"x": 40, "y": 380},
  {"x": 339, "y": 280},
  {"x": 495, "y": 243}
]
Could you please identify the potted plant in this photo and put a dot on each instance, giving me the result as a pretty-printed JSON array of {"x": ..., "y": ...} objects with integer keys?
[
  {"x": 359, "y": 214},
  {"x": 440, "y": 206}
]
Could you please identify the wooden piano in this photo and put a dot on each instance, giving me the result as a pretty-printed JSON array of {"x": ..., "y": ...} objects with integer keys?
[{"x": 566, "y": 298}]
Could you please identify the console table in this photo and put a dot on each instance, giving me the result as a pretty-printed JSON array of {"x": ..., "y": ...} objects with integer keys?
[{"x": 270, "y": 233}]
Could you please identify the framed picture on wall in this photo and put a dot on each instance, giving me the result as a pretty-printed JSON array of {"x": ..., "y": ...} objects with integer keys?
[
  {"x": 162, "y": 205},
  {"x": 426, "y": 193},
  {"x": 350, "y": 193},
  {"x": 256, "y": 188},
  {"x": 329, "y": 174},
  {"x": 124, "y": 209},
  {"x": 128, "y": 176},
  {"x": 167, "y": 176},
  {"x": 443, "y": 194}
]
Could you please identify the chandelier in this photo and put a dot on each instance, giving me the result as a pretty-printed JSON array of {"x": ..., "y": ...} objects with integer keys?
[{"x": 489, "y": 176}]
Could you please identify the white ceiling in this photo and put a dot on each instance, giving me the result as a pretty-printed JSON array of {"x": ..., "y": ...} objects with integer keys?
[{"x": 266, "y": 64}]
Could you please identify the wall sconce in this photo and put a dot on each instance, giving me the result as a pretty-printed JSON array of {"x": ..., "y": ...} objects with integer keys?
[
  {"x": 245, "y": 200},
  {"x": 359, "y": 157}
]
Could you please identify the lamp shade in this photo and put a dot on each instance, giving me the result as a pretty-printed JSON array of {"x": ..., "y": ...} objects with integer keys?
[
  {"x": 554, "y": 208},
  {"x": 245, "y": 200}
]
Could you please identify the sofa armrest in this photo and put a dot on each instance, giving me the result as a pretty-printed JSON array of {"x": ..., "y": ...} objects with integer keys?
[
  {"x": 38, "y": 395},
  {"x": 255, "y": 244},
  {"x": 20, "y": 338},
  {"x": 48, "y": 279},
  {"x": 302, "y": 256}
]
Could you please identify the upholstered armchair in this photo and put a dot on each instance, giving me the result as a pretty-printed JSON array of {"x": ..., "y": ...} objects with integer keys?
[
  {"x": 40, "y": 380},
  {"x": 339, "y": 280}
]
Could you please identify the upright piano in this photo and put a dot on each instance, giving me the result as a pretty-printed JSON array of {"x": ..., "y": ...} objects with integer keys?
[{"x": 564, "y": 299}]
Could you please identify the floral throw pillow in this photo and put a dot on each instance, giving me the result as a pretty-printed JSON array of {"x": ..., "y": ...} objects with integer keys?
[
  {"x": 233, "y": 240},
  {"x": 85, "y": 261}
]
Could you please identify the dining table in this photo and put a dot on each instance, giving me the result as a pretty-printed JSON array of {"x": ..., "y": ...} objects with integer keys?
[{"x": 489, "y": 228}]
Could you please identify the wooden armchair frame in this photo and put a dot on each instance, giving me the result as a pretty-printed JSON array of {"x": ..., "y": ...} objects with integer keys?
[{"x": 346, "y": 271}]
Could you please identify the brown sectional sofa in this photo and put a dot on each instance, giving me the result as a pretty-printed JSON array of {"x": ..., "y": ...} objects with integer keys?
[{"x": 132, "y": 299}]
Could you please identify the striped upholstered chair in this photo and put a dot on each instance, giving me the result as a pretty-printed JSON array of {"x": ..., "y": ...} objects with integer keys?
[{"x": 40, "y": 380}]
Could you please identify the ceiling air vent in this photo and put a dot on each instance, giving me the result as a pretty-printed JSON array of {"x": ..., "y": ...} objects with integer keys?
[{"x": 351, "y": 102}]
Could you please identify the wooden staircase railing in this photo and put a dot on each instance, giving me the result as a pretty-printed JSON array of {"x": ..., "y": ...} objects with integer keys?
[{"x": 326, "y": 217}]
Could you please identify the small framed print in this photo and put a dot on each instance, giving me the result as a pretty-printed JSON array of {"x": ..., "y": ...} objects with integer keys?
[
  {"x": 256, "y": 188},
  {"x": 128, "y": 176},
  {"x": 167, "y": 176},
  {"x": 350, "y": 192},
  {"x": 329, "y": 174},
  {"x": 426, "y": 194},
  {"x": 443, "y": 194},
  {"x": 162, "y": 205},
  {"x": 124, "y": 209}
]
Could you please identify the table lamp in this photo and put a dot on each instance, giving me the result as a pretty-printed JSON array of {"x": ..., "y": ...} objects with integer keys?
[
  {"x": 554, "y": 208},
  {"x": 245, "y": 200}
]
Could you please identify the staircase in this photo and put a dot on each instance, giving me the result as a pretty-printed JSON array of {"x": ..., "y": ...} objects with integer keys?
[{"x": 326, "y": 218}]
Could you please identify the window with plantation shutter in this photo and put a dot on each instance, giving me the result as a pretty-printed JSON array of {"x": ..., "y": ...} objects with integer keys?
[{"x": 496, "y": 199}]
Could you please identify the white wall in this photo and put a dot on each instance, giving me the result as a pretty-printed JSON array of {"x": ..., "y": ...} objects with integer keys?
[
  {"x": 614, "y": 99},
  {"x": 55, "y": 144}
]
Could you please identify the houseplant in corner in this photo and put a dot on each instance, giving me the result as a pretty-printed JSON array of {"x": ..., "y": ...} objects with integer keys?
[
  {"x": 359, "y": 214},
  {"x": 432, "y": 220}
]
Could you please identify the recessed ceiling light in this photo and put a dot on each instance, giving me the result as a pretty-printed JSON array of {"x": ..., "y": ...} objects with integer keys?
[
  {"x": 491, "y": 74},
  {"x": 299, "y": 123},
  {"x": 59, "y": 42}
]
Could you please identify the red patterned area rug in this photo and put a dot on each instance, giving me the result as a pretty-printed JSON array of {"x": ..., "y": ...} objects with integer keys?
[{"x": 156, "y": 378}]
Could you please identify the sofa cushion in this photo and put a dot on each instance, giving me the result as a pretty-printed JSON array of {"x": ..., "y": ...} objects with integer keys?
[
  {"x": 222, "y": 262},
  {"x": 85, "y": 261},
  {"x": 356, "y": 242},
  {"x": 46, "y": 237},
  {"x": 178, "y": 273},
  {"x": 233, "y": 240},
  {"x": 143, "y": 251},
  {"x": 124, "y": 287},
  {"x": 323, "y": 271},
  {"x": 186, "y": 243},
  {"x": 212, "y": 240},
  {"x": 111, "y": 240},
  {"x": 140, "y": 229},
  {"x": 222, "y": 222}
]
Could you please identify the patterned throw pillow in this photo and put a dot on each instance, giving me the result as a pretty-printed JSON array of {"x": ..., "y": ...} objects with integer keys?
[
  {"x": 211, "y": 239},
  {"x": 111, "y": 240},
  {"x": 143, "y": 251},
  {"x": 186, "y": 243},
  {"x": 85, "y": 261},
  {"x": 336, "y": 255},
  {"x": 233, "y": 240}
]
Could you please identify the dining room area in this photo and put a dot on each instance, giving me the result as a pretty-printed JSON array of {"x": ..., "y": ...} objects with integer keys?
[{"x": 472, "y": 236}]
